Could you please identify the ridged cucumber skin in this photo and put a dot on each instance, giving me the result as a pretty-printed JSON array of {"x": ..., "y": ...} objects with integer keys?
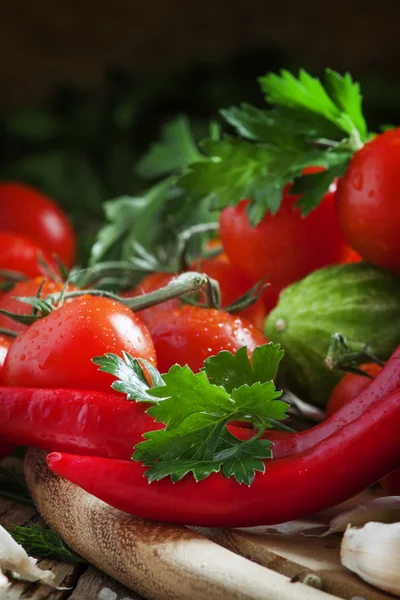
[{"x": 358, "y": 300}]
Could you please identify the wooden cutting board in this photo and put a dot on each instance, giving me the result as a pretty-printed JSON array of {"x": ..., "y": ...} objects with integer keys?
[{"x": 171, "y": 562}]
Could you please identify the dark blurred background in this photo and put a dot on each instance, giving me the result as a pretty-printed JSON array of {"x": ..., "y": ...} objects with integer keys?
[{"x": 86, "y": 85}]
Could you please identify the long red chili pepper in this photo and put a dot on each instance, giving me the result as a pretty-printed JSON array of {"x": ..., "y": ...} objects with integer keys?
[
  {"x": 356, "y": 456},
  {"x": 79, "y": 421},
  {"x": 288, "y": 444}
]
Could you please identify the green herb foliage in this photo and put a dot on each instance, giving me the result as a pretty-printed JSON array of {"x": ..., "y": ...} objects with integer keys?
[
  {"x": 196, "y": 408},
  {"x": 41, "y": 542}
]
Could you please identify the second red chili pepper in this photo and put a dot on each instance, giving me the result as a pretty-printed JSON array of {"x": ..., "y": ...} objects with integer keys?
[{"x": 356, "y": 456}]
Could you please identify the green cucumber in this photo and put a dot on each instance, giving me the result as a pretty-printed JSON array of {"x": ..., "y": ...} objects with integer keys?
[{"x": 358, "y": 300}]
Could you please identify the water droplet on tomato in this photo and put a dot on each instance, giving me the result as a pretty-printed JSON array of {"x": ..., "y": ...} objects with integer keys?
[{"x": 357, "y": 180}]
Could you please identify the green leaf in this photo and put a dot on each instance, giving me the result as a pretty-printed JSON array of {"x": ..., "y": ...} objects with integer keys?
[
  {"x": 236, "y": 460},
  {"x": 196, "y": 413},
  {"x": 347, "y": 96},
  {"x": 175, "y": 151},
  {"x": 235, "y": 370},
  {"x": 260, "y": 400},
  {"x": 339, "y": 102},
  {"x": 131, "y": 378},
  {"x": 41, "y": 542},
  {"x": 314, "y": 186},
  {"x": 249, "y": 122}
]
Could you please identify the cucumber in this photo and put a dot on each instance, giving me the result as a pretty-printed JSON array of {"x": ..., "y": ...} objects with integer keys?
[{"x": 358, "y": 300}]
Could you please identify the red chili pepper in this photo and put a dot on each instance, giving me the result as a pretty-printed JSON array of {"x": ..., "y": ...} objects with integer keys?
[
  {"x": 356, "y": 456},
  {"x": 288, "y": 444},
  {"x": 73, "y": 421}
]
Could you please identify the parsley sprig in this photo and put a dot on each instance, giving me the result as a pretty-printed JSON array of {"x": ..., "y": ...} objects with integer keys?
[
  {"x": 42, "y": 542},
  {"x": 307, "y": 124},
  {"x": 196, "y": 407}
]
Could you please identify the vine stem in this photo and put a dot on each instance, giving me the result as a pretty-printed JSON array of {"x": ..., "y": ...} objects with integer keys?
[{"x": 185, "y": 283}]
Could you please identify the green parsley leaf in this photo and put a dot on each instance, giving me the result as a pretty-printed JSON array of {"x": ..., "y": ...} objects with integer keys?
[
  {"x": 196, "y": 413},
  {"x": 176, "y": 149},
  {"x": 314, "y": 186},
  {"x": 131, "y": 379},
  {"x": 238, "y": 460},
  {"x": 41, "y": 542},
  {"x": 347, "y": 96},
  {"x": 235, "y": 370}
]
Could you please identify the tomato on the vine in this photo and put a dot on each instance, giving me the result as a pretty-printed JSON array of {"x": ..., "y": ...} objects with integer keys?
[
  {"x": 284, "y": 247},
  {"x": 21, "y": 254},
  {"x": 57, "y": 350},
  {"x": 367, "y": 201},
  {"x": 233, "y": 284},
  {"x": 28, "y": 288},
  {"x": 189, "y": 335},
  {"x": 26, "y": 211},
  {"x": 350, "y": 386}
]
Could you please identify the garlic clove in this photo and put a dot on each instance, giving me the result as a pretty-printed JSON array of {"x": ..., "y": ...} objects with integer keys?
[
  {"x": 14, "y": 558},
  {"x": 4, "y": 583},
  {"x": 373, "y": 553}
]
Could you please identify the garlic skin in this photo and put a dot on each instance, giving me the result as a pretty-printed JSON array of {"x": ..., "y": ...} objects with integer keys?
[
  {"x": 14, "y": 558},
  {"x": 373, "y": 553},
  {"x": 4, "y": 583}
]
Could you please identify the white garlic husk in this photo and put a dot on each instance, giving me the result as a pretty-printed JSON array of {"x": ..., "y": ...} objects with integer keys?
[
  {"x": 4, "y": 583},
  {"x": 14, "y": 558},
  {"x": 373, "y": 553}
]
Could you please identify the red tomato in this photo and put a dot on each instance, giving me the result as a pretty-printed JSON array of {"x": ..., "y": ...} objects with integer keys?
[
  {"x": 5, "y": 343},
  {"x": 28, "y": 288},
  {"x": 286, "y": 246},
  {"x": 151, "y": 283},
  {"x": 57, "y": 350},
  {"x": 349, "y": 387},
  {"x": 233, "y": 284},
  {"x": 189, "y": 335},
  {"x": 20, "y": 253},
  {"x": 367, "y": 201},
  {"x": 28, "y": 212}
]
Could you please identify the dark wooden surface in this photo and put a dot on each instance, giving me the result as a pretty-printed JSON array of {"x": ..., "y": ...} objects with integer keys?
[
  {"x": 49, "y": 41},
  {"x": 87, "y": 583}
]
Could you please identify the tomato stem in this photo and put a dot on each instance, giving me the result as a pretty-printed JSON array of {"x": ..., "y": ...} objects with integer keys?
[
  {"x": 8, "y": 332},
  {"x": 12, "y": 275},
  {"x": 185, "y": 283}
]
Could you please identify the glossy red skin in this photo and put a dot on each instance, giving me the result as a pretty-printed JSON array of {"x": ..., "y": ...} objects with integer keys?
[
  {"x": 27, "y": 211},
  {"x": 189, "y": 335},
  {"x": 288, "y": 444},
  {"x": 151, "y": 283},
  {"x": 30, "y": 287},
  {"x": 367, "y": 201},
  {"x": 20, "y": 253},
  {"x": 350, "y": 386},
  {"x": 286, "y": 246},
  {"x": 339, "y": 467},
  {"x": 81, "y": 421},
  {"x": 57, "y": 350},
  {"x": 233, "y": 284}
]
